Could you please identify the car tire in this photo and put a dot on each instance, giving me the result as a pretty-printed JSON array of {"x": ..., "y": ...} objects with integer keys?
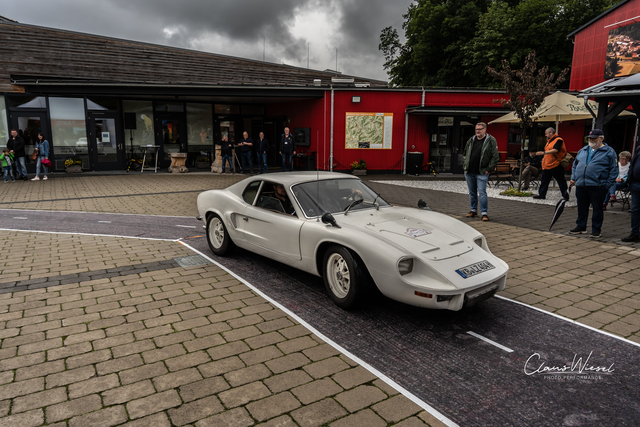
[
  {"x": 345, "y": 279},
  {"x": 218, "y": 237}
]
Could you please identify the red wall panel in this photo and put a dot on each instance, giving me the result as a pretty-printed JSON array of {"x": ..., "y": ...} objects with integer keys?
[{"x": 590, "y": 47}]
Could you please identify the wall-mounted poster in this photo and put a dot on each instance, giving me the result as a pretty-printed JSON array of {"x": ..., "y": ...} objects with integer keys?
[
  {"x": 622, "y": 52},
  {"x": 369, "y": 130}
]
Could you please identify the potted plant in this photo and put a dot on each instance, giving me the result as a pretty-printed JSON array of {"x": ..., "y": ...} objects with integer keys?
[
  {"x": 359, "y": 167},
  {"x": 203, "y": 162},
  {"x": 73, "y": 165}
]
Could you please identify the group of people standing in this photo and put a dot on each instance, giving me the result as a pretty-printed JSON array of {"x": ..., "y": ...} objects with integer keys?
[
  {"x": 13, "y": 159},
  {"x": 261, "y": 145},
  {"x": 595, "y": 173}
]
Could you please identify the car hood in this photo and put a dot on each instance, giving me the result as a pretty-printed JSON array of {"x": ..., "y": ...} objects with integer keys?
[{"x": 421, "y": 235}]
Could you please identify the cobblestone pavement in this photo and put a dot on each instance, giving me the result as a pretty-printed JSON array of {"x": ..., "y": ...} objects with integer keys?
[{"x": 113, "y": 330}]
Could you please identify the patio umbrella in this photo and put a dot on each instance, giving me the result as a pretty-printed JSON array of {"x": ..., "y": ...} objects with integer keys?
[
  {"x": 559, "y": 209},
  {"x": 558, "y": 107}
]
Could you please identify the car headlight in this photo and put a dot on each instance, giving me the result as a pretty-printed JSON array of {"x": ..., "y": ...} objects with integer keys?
[{"x": 405, "y": 266}]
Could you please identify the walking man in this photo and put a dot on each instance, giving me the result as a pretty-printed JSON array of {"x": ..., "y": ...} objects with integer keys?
[
  {"x": 15, "y": 144},
  {"x": 480, "y": 157},
  {"x": 246, "y": 150},
  {"x": 633, "y": 179},
  {"x": 263, "y": 149},
  {"x": 594, "y": 171},
  {"x": 554, "y": 152},
  {"x": 287, "y": 151}
]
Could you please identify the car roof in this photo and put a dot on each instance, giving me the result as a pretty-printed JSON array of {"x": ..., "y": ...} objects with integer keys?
[{"x": 291, "y": 178}]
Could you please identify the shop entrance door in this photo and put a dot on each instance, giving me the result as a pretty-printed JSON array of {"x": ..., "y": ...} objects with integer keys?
[
  {"x": 441, "y": 147},
  {"x": 106, "y": 149},
  {"x": 171, "y": 136},
  {"x": 465, "y": 129},
  {"x": 28, "y": 125}
]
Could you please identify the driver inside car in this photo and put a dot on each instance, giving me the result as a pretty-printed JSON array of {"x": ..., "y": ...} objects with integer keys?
[{"x": 280, "y": 195}]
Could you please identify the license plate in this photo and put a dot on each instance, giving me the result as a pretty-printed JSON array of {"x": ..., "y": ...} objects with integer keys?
[{"x": 473, "y": 269}]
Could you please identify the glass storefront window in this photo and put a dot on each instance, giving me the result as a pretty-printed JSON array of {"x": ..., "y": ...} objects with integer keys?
[
  {"x": 21, "y": 101},
  {"x": 226, "y": 109},
  {"x": 68, "y": 130},
  {"x": 4, "y": 126},
  {"x": 170, "y": 107},
  {"x": 143, "y": 133},
  {"x": 200, "y": 130}
]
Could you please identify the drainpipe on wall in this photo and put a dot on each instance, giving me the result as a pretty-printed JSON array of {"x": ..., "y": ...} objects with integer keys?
[
  {"x": 406, "y": 137},
  {"x": 586, "y": 105},
  {"x": 331, "y": 135},
  {"x": 422, "y": 103}
]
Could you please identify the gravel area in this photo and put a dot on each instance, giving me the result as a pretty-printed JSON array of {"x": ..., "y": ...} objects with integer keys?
[{"x": 553, "y": 195}]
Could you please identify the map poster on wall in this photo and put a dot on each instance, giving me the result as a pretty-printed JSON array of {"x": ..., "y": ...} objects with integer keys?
[{"x": 369, "y": 130}]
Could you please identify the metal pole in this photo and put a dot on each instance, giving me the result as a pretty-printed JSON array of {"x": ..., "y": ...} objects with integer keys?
[
  {"x": 406, "y": 137},
  {"x": 331, "y": 134},
  {"x": 635, "y": 137}
]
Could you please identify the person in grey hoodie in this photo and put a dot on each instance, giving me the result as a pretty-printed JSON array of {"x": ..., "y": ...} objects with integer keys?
[{"x": 594, "y": 170}]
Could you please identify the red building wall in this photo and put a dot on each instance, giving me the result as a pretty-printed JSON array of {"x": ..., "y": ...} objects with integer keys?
[
  {"x": 590, "y": 46},
  {"x": 315, "y": 114}
]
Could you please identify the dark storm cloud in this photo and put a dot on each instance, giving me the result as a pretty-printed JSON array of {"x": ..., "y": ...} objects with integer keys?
[{"x": 231, "y": 27}]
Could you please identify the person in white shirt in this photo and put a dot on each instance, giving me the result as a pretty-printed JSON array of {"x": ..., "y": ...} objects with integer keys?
[{"x": 621, "y": 181}]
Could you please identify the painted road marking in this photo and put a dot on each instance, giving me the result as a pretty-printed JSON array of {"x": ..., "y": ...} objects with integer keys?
[
  {"x": 106, "y": 222},
  {"x": 507, "y": 349},
  {"x": 20, "y": 217},
  {"x": 186, "y": 226}
]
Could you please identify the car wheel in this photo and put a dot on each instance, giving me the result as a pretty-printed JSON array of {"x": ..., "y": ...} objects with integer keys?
[
  {"x": 344, "y": 278},
  {"x": 218, "y": 238}
]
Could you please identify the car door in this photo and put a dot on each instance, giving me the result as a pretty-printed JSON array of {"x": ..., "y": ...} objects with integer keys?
[{"x": 276, "y": 232}]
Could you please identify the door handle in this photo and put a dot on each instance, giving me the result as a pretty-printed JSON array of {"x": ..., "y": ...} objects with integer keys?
[{"x": 245, "y": 218}]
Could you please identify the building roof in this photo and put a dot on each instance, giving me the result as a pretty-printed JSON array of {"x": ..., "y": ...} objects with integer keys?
[
  {"x": 606, "y": 12},
  {"x": 47, "y": 55}
]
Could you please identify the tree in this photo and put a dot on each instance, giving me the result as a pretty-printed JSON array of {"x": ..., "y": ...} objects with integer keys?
[
  {"x": 450, "y": 43},
  {"x": 526, "y": 90}
]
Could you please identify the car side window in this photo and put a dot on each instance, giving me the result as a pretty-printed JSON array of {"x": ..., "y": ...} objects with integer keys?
[
  {"x": 274, "y": 198},
  {"x": 249, "y": 194}
]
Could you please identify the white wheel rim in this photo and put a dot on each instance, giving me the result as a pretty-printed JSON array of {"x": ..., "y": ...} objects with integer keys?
[
  {"x": 216, "y": 233},
  {"x": 338, "y": 276}
]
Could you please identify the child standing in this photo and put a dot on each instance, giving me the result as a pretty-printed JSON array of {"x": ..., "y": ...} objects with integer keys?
[{"x": 7, "y": 165}]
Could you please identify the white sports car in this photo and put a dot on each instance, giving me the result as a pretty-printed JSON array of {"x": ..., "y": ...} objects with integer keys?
[{"x": 334, "y": 226}]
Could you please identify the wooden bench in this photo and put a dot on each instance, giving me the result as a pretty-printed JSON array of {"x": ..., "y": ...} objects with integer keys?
[{"x": 502, "y": 174}]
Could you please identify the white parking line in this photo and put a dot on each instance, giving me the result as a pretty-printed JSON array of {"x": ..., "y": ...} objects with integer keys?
[
  {"x": 186, "y": 226},
  {"x": 20, "y": 217},
  {"x": 105, "y": 222},
  {"x": 500, "y": 346}
]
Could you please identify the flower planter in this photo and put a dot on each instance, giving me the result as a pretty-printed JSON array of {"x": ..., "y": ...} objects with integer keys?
[
  {"x": 359, "y": 172},
  {"x": 73, "y": 169}
]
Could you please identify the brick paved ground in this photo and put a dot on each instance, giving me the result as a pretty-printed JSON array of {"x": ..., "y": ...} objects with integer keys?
[
  {"x": 108, "y": 330},
  {"x": 113, "y": 331}
]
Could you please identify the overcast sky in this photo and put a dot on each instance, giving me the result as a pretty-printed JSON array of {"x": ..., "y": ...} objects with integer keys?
[{"x": 279, "y": 30}]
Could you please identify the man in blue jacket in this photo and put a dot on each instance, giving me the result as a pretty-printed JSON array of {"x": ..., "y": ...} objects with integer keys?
[{"x": 594, "y": 170}]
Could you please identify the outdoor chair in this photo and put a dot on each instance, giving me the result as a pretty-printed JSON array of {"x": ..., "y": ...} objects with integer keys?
[
  {"x": 503, "y": 174},
  {"x": 623, "y": 197}
]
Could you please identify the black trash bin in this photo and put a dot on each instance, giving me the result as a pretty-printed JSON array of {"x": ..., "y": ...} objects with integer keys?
[{"x": 414, "y": 162}]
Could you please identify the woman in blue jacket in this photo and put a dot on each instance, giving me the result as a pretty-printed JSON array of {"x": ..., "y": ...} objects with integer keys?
[
  {"x": 594, "y": 170},
  {"x": 42, "y": 145}
]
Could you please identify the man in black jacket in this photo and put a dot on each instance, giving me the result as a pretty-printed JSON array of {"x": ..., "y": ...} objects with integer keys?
[
  {"x": 286, "y": 150},
  {"x": 246, "y": 150},
  {"x": 15, "y": 144},
  {"x": 633, "y": 179},
  {"x": 227, "y": 152},
  {"x": 263, "y": 149}
]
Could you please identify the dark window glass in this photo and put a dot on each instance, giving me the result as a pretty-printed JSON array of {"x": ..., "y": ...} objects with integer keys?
[
  {"x": 253, "y": 110},
  {"x": 27, "y": 101},
  {"x": 101, "y": 103},
  {"x": 170, "y": 107},
  {"x": 250, "y": 192},
  {"x": 226, "y": 109}
]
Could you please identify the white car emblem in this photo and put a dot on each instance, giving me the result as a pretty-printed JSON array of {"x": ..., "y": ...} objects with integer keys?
[{"x": 416, "y": 232}]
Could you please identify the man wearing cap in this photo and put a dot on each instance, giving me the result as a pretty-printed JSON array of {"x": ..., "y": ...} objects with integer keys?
[
  {"x": 553, "y": 153},
  {"x": 594, "y": 170},
  {"x": 633, "y": 179}
]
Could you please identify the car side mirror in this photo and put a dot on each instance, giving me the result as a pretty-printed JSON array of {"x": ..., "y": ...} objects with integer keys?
[
  {"x": 423, "y": 205},
  {"x": 327, "y": 218}
]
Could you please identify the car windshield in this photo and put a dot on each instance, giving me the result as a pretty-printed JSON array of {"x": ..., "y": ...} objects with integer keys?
[{"x": 335, "y": 196}]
